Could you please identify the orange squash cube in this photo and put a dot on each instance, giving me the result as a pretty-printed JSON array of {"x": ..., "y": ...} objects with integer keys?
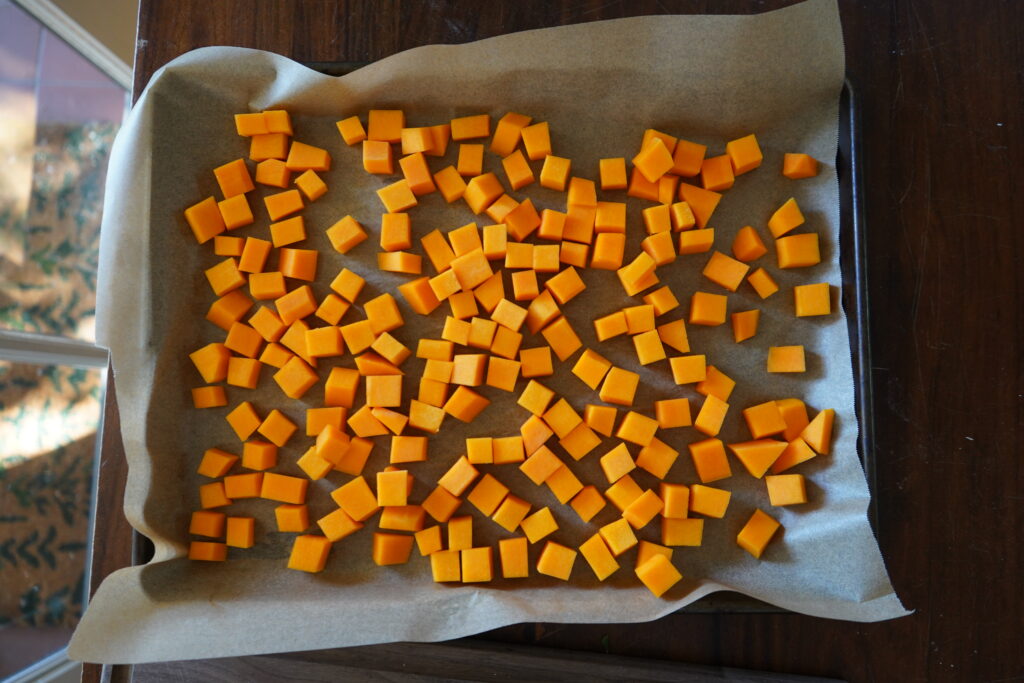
[
  {"x": 391, "y": 549},
  {"x": 588, "y": 502},
  {"x": 756, "y": 533},
  {"x": 799, "y": 166},
  {"x": 599, "y": 557},
  {"x": 786, "y": 359},
  {"x": 514, "y": 558},
  {"x": 556, "y": 560},
  {"x": 710, "y": 460}
]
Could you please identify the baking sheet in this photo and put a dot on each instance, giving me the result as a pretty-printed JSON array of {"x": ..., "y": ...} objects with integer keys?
[{"x": 706, "y": 78}]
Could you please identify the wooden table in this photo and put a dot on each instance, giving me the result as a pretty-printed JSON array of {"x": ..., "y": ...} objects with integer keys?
[{"x": 943, "y": 118}]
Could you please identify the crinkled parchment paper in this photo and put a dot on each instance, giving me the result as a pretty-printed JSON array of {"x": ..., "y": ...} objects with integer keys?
[{"x": 705, "y": 78}]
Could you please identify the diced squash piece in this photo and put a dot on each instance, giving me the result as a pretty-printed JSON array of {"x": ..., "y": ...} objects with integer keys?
[
  {"x": 786, "y": 217},
  {"x": 611, "y": 325},
  {"x": 676, "y": 499},
  {"x": 541, "y": 465},
  {"x": 682, "y": 532},
  {"x": 588, "y": 502},
  {"x": 712, "y": 414},
  {"x": 798, "y": 251},
  {"x": 477, "y": 564},
  {"x": 408, "y": 449},
  {"x": 487, "y": 495},
  {"x": 562, "y": 418},
  {"x": 514, "y": 558},
  {"x": 482, "y": 191},
  {"x": 786, "y": 489},
  {"x": 459, "y": 476},
  {"x": 508, "y": 132},
  {"x": 725, "y": 271},
  {"x": 274, "y": 173},
  {"x": 418, "y": 181},
  {"x": 796, "y": 452},
  {"x": 623, "y": 492},
  {"x": 813, "y": 299},
  {"x": 441, "y": 505},
  {"x": 799, "y": 166},
  {"x": 657, "y": 457},
  {"x": 537, "y": 140},
  {"x": 764, "y": 419},
  {"x": 556, "y": 560},
  {"x": 591, "y": 368},
  {"x": 637, "y": 428},
  {"x": 208, "y": 523},
  {"x": 744, "y": 324},
  {"x": 710, "y": 460},
  {"x": 613, "y": 173},
  {"x": 511, "y": 513},
  {"x": 208, "y": 551},
  {"x": 763, "y": 283},
  {"x": 648, "y": 347},
  {"x": 707, "y": 309},
  {"x": 616, "y": 463},
  {"x": 599, "y": 557},
  {"x": 717, "y": 384},
  {"x": 561, "y": 338},
  {"x": 268, "y": 146},
  {"x": 445, "y": 566},
  {"x": 241, "y": 532},
  {"x": 292, "y": 518},
  {"x": 641, "y": 511},
  {"x": 299, "y": 264},
  {"x": 658, "y": 574},
  {"x": 786, "y": 359},
  {"x": 468, "y": 127},
  {"x": 391, "y": 549},
  {"x": 600, "y": 418},
  {"x": 757, "y": 456},
  {"x": 619, "y": 386},
  {"x": 702, "y": 202},
  {"x": 517, "y": 170},
  {"x": 674, "y": 412},
  {"x": 744, "y": 153},
  {"x": 619, "y": 536},
  {"x": 818, "y": 434},
  {"x": 554, "y": 175},
  {"x": 536, "y": 362},
  {"x": 708, "y": 501},
  {"x": 563, "y": 484},
  {"x": 756, "y": 533},
  {"x": 654, "y": 160}
]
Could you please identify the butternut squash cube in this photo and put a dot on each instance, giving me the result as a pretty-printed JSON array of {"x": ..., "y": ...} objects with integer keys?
[
  {"x": 818, "y": 434},
  {"x": 563, "y": 484},
  {"x": 514, "y": 558},
  {"x": 710, "y": 460},
  {"x": 641, "y": 511},
  {"x": 682, "y": 532},
  {"x": 619, "y": 386},
  {"x": 511, "y": 513},
  {"x": 554, "y": 175},
  {"x": 673, "y": 412},
  {"x": 556, "y": 560},
  {"x": 756, "y": 533},
  {"x": 658, "y": 574},
  {"x": 391, "y": 549},
  {"x": 600, "y": 418},
  {"x": 613, "y": 173},
  {"x": 712, "y": 414},
  {"x": 786, "y": 359},
  {"x": 799, "y": 166},
  {"x": 708, "y": 501},
  {"x": 487, "y": 495},
  {"x": 588, "y": 502},
  {"x": 445, "y": 566}
]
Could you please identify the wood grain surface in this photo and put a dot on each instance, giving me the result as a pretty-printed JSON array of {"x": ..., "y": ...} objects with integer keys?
[{"x": 942, "y": 107}]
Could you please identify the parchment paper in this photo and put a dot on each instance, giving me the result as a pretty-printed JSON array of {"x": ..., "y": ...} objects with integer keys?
[{"x": 705, "y": 78}]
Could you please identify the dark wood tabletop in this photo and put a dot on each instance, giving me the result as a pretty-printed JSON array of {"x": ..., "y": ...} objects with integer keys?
[{"x": 942, "y": 109}]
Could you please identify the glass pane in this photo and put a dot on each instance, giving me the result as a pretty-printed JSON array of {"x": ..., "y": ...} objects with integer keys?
[
  {"x": 48, "y": 422},
  {"x": 58, "y": 118}
]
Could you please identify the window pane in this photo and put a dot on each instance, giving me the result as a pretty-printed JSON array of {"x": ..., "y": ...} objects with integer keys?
[
  {"x": 48, "y": 421},
  {"x": 58, "y": 118}
]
